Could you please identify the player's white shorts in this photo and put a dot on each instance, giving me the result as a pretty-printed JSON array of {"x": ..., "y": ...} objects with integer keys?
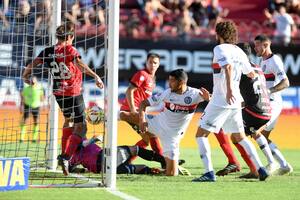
[
  {"x": 275, "y": 112},
  {"x": 169, "y": 139},
  {"x": 229, "y": 119}
]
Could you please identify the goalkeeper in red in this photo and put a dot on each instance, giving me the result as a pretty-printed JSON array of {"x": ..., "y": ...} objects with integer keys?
[{"x": 66, "y": 67}]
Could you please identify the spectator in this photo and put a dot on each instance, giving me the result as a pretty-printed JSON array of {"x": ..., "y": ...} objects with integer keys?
[
  {"x": 293, "y": 7},
  {"x": 154, "y": 10},
  {"x": 199, "y": 12},
  {"x": 3, "y": 21},
  {"x": 44, "y": 17},
  {"x": 285, "y": 25},
  {"x": 215, "y": 13}
]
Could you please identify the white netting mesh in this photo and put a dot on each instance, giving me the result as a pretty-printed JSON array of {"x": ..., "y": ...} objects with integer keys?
[{"x": 24, "y": 31}]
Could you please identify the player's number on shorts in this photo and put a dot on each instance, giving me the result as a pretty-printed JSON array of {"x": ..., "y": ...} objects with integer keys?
[{"x": 60, "y": 70}]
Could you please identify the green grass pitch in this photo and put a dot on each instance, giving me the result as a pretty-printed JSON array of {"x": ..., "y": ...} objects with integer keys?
[{"x": 160, "y": 187}]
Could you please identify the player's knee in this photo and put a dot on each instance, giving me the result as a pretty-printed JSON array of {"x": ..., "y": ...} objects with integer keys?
[
  {"x": 237, "y": 137},
  {"x": 201, "y": 132}
]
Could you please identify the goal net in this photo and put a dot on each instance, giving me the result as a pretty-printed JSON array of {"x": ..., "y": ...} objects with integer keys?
[{"x": 26, "y": 28}]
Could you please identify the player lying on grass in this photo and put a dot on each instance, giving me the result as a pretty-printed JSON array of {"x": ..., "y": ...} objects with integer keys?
[{"x": 90, "y": 156}]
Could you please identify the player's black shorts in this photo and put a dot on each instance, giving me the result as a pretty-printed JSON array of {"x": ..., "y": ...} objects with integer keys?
[
  {"x": 34, "y": 111},
  {"x": 72, "y": 106},
  {"x": 252, "y": 123}
]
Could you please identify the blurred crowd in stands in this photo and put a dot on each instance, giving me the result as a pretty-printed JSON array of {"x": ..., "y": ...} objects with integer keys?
[{"x": 154, "y": 19}]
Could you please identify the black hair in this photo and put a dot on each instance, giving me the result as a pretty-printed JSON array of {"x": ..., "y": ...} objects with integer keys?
[
  {"x": 245, "y": 46},
  {"x": 179, "y": 74},
  {"x": 262, "y": 38},
  {"x": 152, "y": 55},
  {"x": 64, "y": 30}
]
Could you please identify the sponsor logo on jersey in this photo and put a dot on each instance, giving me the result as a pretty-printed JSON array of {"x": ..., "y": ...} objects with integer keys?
[{"x": 181, "y": 108}]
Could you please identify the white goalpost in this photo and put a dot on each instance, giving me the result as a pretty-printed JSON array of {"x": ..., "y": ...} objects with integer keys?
[
  {"x": 112, "y": 93},
  {"x": 53, "y": 116},
  {"x": 30, "y": 30}
]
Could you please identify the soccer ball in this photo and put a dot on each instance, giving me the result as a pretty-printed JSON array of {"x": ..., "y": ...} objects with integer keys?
[{"x": 95, "y": 115}]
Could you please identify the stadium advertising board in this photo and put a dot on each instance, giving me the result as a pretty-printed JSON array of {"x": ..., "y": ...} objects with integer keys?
[
  {"x": 194, "y": 57},
  {"x": 14, "y": 173}
]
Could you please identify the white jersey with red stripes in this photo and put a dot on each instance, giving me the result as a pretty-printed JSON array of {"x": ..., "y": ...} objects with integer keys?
[
  {"x": 178, "y": 110},
  {"x": 225, "y": 54},
  {"x": 274, "y": 73}
]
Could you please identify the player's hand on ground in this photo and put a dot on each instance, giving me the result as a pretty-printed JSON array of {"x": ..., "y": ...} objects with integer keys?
[
  {"x": 229, "y": 97},
  {"x": 99, "y": 82},
  {"x": 205, "y": 94}
]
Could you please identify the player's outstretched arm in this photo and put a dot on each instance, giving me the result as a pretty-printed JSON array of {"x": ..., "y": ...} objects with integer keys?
[
  {"x": 85, "y": 69},
  {"x": 28, "y": 70}
]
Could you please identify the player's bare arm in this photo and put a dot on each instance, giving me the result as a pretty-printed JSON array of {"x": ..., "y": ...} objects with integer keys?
[
  {"x": 130, "y": 97},
  {"x": 205, "y": 94},
  {"x": 228, "y": 74},
  {"x": 28, "y": 70},
  {"x": 142, "y": 120},
  {"x": 85, "y": 69},
  {"x": 284, "y": 83}
]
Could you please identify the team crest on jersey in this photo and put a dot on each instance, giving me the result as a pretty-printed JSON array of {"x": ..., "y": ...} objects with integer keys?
[{"x": 187, "y": 100}]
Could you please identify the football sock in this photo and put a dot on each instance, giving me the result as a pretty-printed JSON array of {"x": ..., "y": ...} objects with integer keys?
[
  {"x": 35, "y": 132},
  {"x": 251, "y": 151},
  {"x": 245, "y": 157},
  {"x": 155, "y": 145},
  {"x": 72, "y": 145},
  {"x": 226, "y": 147},
  {"x": 205, "y": 153},
  {"x": 141, "y": 144},
  {"x": 151, "y": 156},
  {"x": 277, "y": 155},
  {"x": 263, "y": 145},
  {"x": 23, "y": 131},
  {"x": 66, "y": 133}
]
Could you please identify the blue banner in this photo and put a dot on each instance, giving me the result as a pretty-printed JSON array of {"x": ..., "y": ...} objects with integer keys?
[{"x": 14, "y": 173}]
